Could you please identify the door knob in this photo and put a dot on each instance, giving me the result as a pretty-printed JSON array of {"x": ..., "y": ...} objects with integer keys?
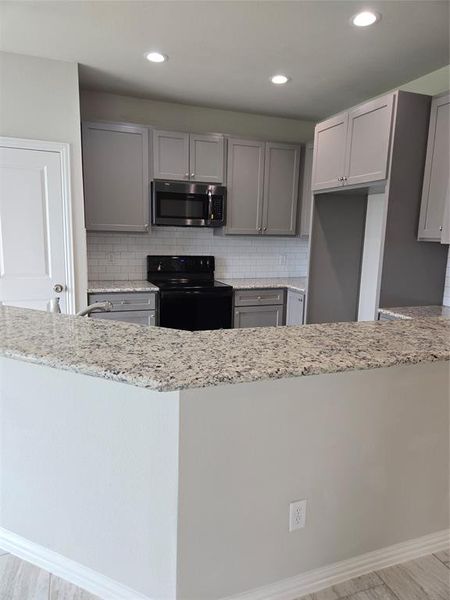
[{"x": 58, "y": 288}]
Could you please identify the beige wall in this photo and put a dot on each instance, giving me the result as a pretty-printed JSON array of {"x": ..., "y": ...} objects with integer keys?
[
  {"x": 39, "y": 99},
  {"x": 183, "y": 117}
]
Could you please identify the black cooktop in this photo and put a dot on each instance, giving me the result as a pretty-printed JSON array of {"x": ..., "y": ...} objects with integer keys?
[{"x": 190, "y": 284}]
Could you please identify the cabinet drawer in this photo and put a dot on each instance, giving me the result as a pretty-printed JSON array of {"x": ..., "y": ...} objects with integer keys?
[
  {"x": 258, "y": 297},
  {"x": 136, "y": 317},
  {"x": 126, "y": 301},
  {"x": 258, "y": 316}
]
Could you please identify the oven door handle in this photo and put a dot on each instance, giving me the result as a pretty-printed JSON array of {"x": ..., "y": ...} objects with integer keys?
[{"x": 210, "y": 207}]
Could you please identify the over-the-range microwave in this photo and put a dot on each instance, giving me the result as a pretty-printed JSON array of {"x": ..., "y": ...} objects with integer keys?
[{"x": 188, "y": 204}]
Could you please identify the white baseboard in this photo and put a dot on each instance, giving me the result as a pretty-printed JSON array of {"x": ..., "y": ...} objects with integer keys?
[
  {"x": 286, "y": 589},
  {"x": 319, "y": 579},
  {"x": 67, "y": 569}
]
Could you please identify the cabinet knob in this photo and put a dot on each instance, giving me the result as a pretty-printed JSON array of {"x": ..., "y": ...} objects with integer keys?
[
  {"x": 58, "y": 288},
  {"x": 440, "y": 228},
  {"x": 192, "y": 174},
  {"x": 265, "y": 229},
  {"x": 186, "y": 175},
  {"x": 259, "y": 229},
  {"x": 344, "y": 178}
]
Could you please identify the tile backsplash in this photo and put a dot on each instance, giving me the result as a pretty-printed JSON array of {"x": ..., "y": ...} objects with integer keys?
[{"x": 123, "y": 256}]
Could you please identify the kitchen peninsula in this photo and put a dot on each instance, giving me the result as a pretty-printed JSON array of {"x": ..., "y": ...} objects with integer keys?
[{"x": 137, "y": 441}]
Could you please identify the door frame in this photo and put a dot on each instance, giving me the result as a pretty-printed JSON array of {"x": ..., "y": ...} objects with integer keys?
[{"x": 63, "y": 150}]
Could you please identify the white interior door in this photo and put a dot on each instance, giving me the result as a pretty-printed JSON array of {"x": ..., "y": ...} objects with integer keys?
[{"x": 35, "y": 234}]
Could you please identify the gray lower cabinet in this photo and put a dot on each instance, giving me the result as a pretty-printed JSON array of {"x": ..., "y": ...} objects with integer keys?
[
  {"x": 295, "y": 308},
  {"x": 262, "y": 187},
  {"x": 258, "y": 316},
  {"x": 132, "y": 307},
  {"x": 116, "y": 177},
  {"x": 138, "y": 317},
  {"x": 259, "y": 308},
  {"x": 436, "y": 181}
]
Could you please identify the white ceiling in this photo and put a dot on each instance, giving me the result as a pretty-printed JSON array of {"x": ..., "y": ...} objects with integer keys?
[{"x": 222, "y": 53}]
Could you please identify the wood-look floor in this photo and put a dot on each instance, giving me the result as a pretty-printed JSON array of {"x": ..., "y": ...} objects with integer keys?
[{"x": 427, "y": 578}]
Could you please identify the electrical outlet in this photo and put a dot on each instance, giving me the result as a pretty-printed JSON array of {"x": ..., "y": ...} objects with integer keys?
[{"x": 297, "y": 515}]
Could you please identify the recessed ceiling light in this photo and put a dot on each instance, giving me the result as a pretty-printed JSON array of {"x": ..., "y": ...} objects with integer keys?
[
  {"x": 366, "y": 18},
  {"x": 279, "y": 79},
  {"x": 156, "y": 57}
]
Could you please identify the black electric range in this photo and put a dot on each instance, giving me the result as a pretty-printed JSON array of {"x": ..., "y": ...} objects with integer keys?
[{"x": 189, "y": 296}]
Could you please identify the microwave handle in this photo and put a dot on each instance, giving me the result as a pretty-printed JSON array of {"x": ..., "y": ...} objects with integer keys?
[{"x": 210, "y": 208}]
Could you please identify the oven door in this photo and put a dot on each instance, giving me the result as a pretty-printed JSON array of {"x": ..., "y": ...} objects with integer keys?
[
  {"x": 186, "y": 204},
  {"x": 196, "y": 310}
]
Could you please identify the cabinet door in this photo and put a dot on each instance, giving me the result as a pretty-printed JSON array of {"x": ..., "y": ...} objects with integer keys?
[
  {"x": 306, "y": 200},
  {"x": 281, "y": 175},
  {"x": 245, "y": 179},
  {"x": 329, "y": 153},
  {"x": 295, "y": 304},
  {"x": 258, "y": 316},
  {"x": 170, "y": 155},
  {"x": 144, "y": 317},
  {"x": 436, "y": 175},
  {"x": 116, "y": 179},
  {"x": 368, "y": 141},
  {"x": 206, "y": 156}
]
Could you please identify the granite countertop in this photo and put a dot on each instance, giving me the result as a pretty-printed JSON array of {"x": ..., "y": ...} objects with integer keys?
[
  {"x": 415, "y": 312},
  {"x": 106, "y": 287},
  {"x": 168, "y": 359},
  {"x": 297, "y": 284},
  {"x": 293, "y": 283}
]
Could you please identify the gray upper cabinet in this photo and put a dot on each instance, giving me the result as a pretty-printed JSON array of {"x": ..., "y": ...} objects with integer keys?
[
  {"x": 435, "y": 193},
  {"x": 329, "y": 152},
  {"x": 206, "y": 158},
  {"x": 245, "y": 180},
  {"x": 262, "y": 180},
  {"x": 281, "y": 175},
  {"x": 188, "y": 156},
  {"x": 368, "y": 141},
  {"x": 116, "y": 177},
  {"x": 170, "y": 155},
  {"x": 305, "y": 218},
  {"x": 353, "y": 148}
]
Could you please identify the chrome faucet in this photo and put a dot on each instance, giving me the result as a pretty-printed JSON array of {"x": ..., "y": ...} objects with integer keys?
[{"x": 96, "y": 307}]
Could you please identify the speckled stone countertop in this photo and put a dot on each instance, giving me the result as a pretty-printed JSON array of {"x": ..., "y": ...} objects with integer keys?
[
  {"x": 415, "y": 312},
  {"x": 293, "y": 283},
  {"x": 168, "y": 359},
  {"x": 107, "y": 287}
]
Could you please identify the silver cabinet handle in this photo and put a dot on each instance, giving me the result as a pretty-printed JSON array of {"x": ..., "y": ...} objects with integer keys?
[
  {"x": 340, "y": 179},
  {"x": 192, "y": 174},
  {"x": 258, "y": 298},
  {"x": 259, "y": 228},
  {"x": 440, "y": 228},
  {"x": 58, "y": 288},
  {"x": 265, "y": 229},
  {"x": 344, "y": 178},
  {"x": 186, "y": 175}
]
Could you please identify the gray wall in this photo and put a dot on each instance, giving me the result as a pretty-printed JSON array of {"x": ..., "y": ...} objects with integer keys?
[
  {"x": 39, "y": 99},
  {"x": 183, "y": 117},
  {"x": 364, "y": 448}
]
